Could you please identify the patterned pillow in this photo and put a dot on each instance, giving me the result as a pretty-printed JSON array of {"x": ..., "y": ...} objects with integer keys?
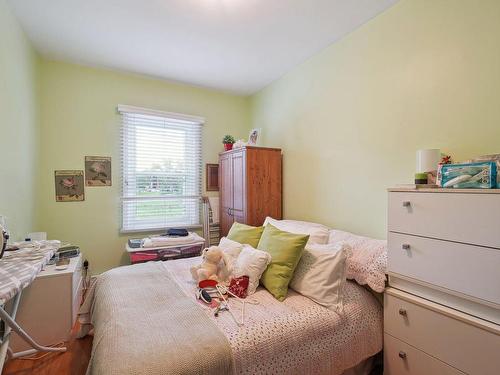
[
  {"x": 239, "y": 286},
  {"x": 367, "y": 263}
]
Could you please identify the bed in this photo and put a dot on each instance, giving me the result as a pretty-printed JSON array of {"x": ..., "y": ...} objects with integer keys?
[{"x": 147, "y": 321}]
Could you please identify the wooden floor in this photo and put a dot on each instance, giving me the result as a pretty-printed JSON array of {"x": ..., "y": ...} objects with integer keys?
[{"x": 72, "y": 362}]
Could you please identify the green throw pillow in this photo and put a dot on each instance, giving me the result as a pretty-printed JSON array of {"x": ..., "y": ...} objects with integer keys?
[
  {"x": 243, "y": 233},
  {"x": 285, "y": 249}
]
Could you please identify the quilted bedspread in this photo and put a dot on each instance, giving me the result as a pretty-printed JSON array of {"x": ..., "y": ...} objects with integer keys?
[
  {"x": 296, "y": 336},
  {"x": 145, "y": 325}
]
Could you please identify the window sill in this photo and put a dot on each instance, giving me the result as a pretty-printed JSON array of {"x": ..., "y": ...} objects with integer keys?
[{"x": 160, "y": 230}]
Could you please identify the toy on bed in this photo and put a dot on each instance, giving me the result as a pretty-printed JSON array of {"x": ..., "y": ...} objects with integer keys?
[{"x": 213, "y": 266}]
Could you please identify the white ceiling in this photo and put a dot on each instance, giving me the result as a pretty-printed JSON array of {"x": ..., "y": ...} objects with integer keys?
[{"x": 234, "y": 45}]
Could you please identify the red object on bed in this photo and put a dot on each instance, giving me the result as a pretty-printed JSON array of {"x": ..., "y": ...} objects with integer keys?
[
  {"x": 207, "y": 283},
  {"x": 239, "y": 286}
]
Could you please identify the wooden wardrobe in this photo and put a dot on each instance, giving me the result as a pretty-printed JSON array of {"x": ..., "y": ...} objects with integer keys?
[{"x": 249, "y": 185}]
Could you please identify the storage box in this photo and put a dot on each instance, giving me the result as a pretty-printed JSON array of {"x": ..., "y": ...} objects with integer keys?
[
  {"x": 482, "y": 175},
  {"x": 142, "y": 255}
]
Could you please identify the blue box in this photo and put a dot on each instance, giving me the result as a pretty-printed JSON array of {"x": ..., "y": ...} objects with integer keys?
[{"x": 481, "y": 175}]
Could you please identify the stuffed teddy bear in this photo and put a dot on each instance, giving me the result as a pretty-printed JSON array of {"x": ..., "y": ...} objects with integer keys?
[{"x": 213, "y": 266}]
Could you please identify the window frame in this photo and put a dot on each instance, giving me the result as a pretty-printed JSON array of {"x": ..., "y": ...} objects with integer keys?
[{"x": 125, "y": 110}]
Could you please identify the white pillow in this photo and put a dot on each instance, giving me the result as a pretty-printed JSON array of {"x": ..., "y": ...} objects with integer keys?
[
  {"x": 367, "y": 263},
  {"x": 232, "y": 250},
  {"x": 252, "y": 263},
  {"x": 321, "y": 274},
  {"x": 318, "y": 233}
]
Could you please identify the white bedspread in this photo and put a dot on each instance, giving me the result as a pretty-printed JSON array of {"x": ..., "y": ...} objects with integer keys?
[
  {"x": 296, "y": 336},
  {"x": 145, "y": 325}
]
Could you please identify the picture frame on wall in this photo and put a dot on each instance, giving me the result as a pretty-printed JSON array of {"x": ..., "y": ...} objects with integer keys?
[
  {"x": 254, "y": 137},
  {"x": 69, "y": 185},
  {"x": 212, "y": 177},
  {"x": 97, "y": 171}
]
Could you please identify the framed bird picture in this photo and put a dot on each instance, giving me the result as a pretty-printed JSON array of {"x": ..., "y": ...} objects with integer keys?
[
  {"x": 69, "y": 186},
  {"x": 97, "y": 171}
]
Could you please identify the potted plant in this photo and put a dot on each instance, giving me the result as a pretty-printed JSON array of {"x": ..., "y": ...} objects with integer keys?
[{"x": 228, "y": 141}]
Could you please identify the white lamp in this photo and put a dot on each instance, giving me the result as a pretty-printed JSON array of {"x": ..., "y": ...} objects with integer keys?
[{"x": 428, "y": 160}]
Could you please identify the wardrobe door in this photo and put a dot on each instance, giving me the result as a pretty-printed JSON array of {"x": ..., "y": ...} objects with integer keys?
[
  {"x": 263, "y": 190},
  {"x": 226, "y": 192},
  {"x": 238, "y": 210}
]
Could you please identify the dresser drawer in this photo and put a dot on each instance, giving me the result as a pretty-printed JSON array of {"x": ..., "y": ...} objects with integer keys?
[
  {"x": 403, "y": 359},
  {"x": 457, "y": 339},
  {"x": 464, "y": 217},
  {"x": 467, "y": 269}
]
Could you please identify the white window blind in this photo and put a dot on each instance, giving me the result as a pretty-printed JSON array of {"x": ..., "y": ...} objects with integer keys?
[{"x": 161, "y": 169}]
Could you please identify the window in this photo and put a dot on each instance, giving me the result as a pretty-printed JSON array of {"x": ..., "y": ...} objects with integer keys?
[{"x": 161, "y": 169}]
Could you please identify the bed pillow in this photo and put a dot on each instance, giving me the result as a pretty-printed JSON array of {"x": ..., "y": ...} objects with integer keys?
[
  {"x": 367, "y": 263},
  {"x": 285, "y": 249},
  {"x": 321, "y": 274},
  {"x": 245, "y": 234},
  {"x": 318, "y": 233},
  {"x": 232, "y": 250},
  {"x": 252, "y": 263}
]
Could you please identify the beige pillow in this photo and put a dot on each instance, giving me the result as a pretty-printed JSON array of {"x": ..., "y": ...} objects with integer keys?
[
  {"x": 321, "y": 274},
  {"x": 318, "y": 233}
]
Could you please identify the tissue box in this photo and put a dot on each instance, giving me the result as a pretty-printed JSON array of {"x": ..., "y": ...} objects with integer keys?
[{"x": 482, "y": 175}]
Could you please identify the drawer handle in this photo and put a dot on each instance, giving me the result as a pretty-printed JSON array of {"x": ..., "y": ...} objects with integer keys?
[
  {"x": 405, "y": 246},
  {"x": 406, "y": 203},
  {"x": 402, "y": 312},
  {"x": 402, "y": 355}
]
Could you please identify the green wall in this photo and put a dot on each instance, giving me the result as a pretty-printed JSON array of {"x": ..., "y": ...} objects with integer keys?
[
  {"x": 424, "y": 74},
  {"x": 18, "y": 110},
  {"x": 78, "y": 118}
]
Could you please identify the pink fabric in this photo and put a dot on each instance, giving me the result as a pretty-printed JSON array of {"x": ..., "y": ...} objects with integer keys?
[{"x": 367, "y": 263}]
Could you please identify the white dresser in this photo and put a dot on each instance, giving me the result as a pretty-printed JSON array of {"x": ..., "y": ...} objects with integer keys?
[
  {"x": 49, "y": 306},
  {"x": 442, "y": 309}
]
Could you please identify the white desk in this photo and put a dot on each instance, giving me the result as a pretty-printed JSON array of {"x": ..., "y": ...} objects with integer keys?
[{"x": 49, "y": 306}]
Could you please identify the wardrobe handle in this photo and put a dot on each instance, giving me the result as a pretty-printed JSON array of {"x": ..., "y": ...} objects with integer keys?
[
  {"x": 229, "y": 212},
  {"x": 406, "y": 203},
  {"x": 402, "y": 312},
  {"x": 405, "y": 246},
  {"x": 402, "y": 355}
]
